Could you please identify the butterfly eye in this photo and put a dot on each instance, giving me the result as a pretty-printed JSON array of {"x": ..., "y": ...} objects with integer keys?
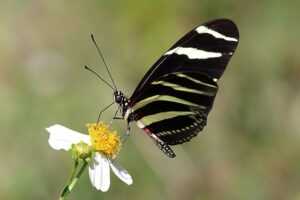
[{"x": 118, "y": 99}]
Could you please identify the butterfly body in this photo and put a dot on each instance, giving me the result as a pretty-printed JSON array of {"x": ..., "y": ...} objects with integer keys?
[{"x": 172, "y": 101}]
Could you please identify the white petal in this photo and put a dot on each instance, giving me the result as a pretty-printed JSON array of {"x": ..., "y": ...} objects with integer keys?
[
  {"x": 62, "y": 137},
  {"x": 121, "y": 173},
  {"x": 99, "y": 173}
]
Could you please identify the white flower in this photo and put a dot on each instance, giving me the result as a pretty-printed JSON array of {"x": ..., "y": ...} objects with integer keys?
[{"x": 99, "y": 172}]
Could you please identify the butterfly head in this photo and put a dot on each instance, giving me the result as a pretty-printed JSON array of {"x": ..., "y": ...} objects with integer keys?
[
  {"x": 121, "y": 99},
  {"x": 118, "y": 95}
]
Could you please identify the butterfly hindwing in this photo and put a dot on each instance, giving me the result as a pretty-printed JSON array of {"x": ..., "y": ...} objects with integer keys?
[{"x": 175, "y": 107}]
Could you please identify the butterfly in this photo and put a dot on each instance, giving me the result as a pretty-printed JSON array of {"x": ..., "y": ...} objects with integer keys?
[{"x": 172, "y": 101}]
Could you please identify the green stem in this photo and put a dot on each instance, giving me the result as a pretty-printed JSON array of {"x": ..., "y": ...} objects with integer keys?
[
  {"x": 79, "y": 168},
  {"x": 73, "y": 171}
]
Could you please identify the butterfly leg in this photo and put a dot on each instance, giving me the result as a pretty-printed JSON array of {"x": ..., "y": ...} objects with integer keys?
[
  {"x": 112, "y": 120},
  {"x": 118, "y": 118},
  {"x": 125, "y": 136},
  {"x": 161, "y": 144},
  {"x": 103, "y": 111},
  {"x": 128, "y": 129}
]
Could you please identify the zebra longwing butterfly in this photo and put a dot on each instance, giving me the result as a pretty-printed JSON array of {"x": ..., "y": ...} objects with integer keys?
[{"x": 173, "y": 99}]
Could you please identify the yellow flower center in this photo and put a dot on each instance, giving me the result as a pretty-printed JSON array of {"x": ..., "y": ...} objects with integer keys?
[{"x": 103, "y": 140}]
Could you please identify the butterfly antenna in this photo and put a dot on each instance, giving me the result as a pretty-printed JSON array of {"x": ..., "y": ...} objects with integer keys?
[
  {"x": 98, "y": 49},
  {"x": 86, "y": 67}
]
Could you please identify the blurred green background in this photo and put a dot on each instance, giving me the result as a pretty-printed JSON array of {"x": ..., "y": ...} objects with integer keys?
[{"x": 250, "y": 148}]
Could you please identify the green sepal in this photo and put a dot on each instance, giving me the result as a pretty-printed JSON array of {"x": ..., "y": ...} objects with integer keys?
[
  {"x": 81, "y": 150},
  {"x": 91, "y": 158}
]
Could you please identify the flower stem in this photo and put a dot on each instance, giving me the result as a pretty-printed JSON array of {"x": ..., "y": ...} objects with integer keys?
[
  {"x": 79, "y": 168},
  {"x": 73, "y": 171}
]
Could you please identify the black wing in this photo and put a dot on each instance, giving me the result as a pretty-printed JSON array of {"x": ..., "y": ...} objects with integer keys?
[{"x": 173, "y": 99}]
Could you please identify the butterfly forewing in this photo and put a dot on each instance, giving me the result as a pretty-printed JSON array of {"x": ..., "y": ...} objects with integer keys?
[{"x": 206, "y": 49}]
